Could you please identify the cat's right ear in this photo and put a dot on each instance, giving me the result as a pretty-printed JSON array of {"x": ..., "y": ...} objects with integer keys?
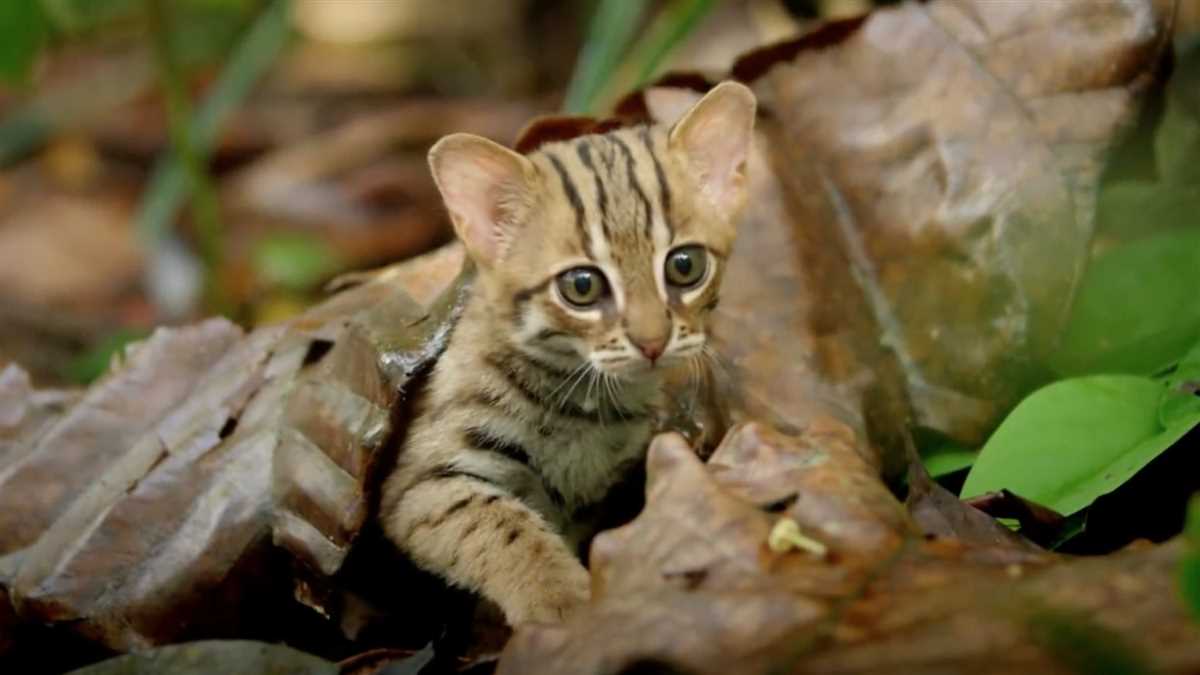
[{"x": 486, "y": 188}]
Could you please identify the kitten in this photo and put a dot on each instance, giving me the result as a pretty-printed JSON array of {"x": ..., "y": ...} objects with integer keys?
[{"x": 599, "y": 260}]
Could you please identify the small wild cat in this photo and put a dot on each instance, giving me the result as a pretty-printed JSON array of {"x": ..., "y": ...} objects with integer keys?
[{"x": 599, "y": 260}]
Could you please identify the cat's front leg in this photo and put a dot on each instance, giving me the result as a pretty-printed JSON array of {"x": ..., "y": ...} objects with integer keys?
[{"x": 477, "y": 536}]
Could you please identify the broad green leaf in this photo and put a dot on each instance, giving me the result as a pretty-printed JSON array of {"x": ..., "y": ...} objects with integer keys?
[
  {"x": 1189, "y": 365},
  {"x": 946, "y": 458},
  {"x": 1074, "y": 440},
  {"x": 22, "y": 32},
  {"x": 1189, "y": 568},
  {"x": 1137, "y": 309},
  {"x": 1135, "y": 209},
  {"x": 295, "y": 261},
  {"x": 1179, "y": 402},
  {"x": 1181, "y": 397}
]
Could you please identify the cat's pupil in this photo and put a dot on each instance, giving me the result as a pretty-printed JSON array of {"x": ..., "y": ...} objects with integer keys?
[
  {"x": 583, "y": 284},
  {"x": 683, "y": 265}
]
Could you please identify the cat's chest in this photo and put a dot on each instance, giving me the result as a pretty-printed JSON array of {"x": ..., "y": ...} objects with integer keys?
[{"x": 582, "y": 464}]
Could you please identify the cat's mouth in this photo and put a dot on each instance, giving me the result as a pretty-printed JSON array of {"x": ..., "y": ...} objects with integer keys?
[{"x": 635, "y": 368}]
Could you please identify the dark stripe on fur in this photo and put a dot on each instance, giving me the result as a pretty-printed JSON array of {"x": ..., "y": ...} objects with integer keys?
[
  {"x": 481, "y": 439},
  {"x": 447, "y": 471},
  {"x": 576, "y": 202},
  {"x": 585, "y": 156},
  {"x": 633, "y": 183},
  {"x": 523, "y": 296},
  {"x": 663, "y": 188},
  {"x": 450, "y": 511}
]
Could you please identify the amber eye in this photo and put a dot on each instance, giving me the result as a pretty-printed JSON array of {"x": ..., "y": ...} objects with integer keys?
[
  {"x": 582, "y": 286},
  {"x": 686, "y": 265}
]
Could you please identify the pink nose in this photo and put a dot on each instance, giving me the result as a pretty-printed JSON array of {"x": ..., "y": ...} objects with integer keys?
[{"x": 651, "y": 350}]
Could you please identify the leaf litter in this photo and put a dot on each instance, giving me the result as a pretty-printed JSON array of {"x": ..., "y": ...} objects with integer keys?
[{"x": 919, "y": 222}]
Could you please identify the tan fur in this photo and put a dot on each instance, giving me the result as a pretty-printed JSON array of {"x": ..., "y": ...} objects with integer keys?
[{"x": 538, "y": 407}]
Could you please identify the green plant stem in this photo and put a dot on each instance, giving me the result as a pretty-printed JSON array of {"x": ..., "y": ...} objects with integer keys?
[
  {"x": 206, "y": 214},
  {"x": 610, "y": 30},
  {"x": 673, "y": 23},
  {"x": 606, "y": 69}
]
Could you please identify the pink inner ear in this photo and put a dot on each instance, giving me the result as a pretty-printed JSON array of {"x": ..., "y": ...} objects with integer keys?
[
  {"x": 720, "y": 157},
  {"x": 478, "y": 184},
  {"x": 715, "y": 139}
]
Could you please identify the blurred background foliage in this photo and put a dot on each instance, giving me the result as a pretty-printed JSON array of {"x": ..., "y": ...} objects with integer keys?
[
  {"x": 165, "y": 159},
  {"x": 161, "y": 160}
]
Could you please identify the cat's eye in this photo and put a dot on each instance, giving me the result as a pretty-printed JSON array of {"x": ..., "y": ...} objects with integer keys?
[
  {"x": 686, "y": 265},
  {"x": 582, "y": 286}
]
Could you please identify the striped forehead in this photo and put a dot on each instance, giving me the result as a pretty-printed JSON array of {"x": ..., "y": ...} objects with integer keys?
[{"x": 618, "y": 193}]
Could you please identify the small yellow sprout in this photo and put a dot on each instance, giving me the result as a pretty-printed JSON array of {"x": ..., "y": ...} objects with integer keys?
[{"x": 786, "y": 535}]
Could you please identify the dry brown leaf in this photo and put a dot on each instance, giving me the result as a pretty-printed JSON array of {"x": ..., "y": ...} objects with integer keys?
[
  {"x": 67, "y": 251},
  {"x": 153, "y": 511},
  {"x": 939, "y": 512},
  {"x": 921, "y": 202},
  {"x": 692, "y": 586},
  {"x": 40, "y": 477},
  {"x": 929, "y": 203}
]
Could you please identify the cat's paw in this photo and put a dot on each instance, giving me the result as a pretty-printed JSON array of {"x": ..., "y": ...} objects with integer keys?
[{"x": 553, "y": 596}]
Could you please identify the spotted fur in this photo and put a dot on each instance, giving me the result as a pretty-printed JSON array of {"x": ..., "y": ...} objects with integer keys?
[{"x": 539, "y": 406}]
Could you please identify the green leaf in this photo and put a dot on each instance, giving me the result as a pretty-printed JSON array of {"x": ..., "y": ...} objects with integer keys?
[
  {"x": 23, "y": 29},
  {"x": 1137, "y": 309},
  {"x": 676, "y": 20},
  {"x": 1179, "y": 402},
  {"x": 1189, "y": 568},
  {"x": 946, "y": 458},
  {"x": 1181, "y": 397},
  {"x": 91, "y": 364},
  {"x": 1189, "y": 365},
  {"x": 1134, "y": 209},
  {"x": 294, "y": 261},
  {"x": 1074, "y": 440}
]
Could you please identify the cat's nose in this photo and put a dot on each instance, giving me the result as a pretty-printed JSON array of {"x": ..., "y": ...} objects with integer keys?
[{"x": 651, "y": 349}]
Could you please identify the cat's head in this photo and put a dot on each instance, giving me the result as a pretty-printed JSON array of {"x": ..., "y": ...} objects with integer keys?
[{"x": 606, "y": 248}]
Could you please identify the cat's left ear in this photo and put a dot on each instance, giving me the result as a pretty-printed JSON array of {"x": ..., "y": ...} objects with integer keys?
[
  {"x": 486, "y": 189},
  {"x": 714, "y": 138}
]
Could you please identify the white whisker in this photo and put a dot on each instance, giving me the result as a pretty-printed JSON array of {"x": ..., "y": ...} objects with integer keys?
[
  {"x": 583, "y": 369},
  {"x": 718, "y": 361},
  {"x": 570, "y": 376},
  {"x": 614, "y": 395}
]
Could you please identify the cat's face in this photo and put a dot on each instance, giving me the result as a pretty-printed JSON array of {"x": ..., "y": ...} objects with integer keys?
[{"x": 606, "y": 250}]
